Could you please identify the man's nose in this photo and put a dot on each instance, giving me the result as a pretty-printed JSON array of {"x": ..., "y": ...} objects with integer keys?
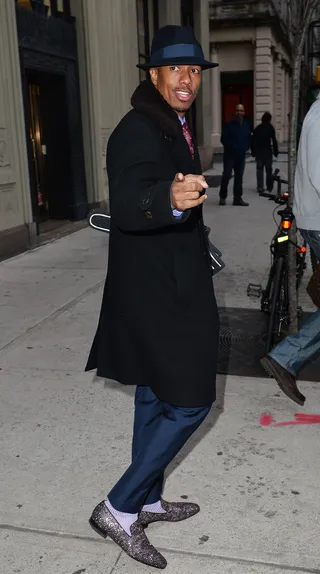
[{"x": 185, "y": 78}]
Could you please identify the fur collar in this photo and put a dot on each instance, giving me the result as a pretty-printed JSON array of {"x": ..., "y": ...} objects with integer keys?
[{"x": 147, "y": 100}]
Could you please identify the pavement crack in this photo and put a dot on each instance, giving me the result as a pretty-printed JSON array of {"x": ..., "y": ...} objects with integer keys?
[
  {"x": 116, "y": 562},
  {"x": 164, "y": 549},
  {"x": 51, "y": 316}
]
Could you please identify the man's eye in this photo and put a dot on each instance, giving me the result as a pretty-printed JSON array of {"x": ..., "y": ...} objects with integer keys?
[
  {"x": 195, "y": 71},
  {"x": 174, "y": 68}
]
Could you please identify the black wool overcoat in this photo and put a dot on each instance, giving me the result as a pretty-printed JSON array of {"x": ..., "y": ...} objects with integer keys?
[{"x": 159, "y": 324}]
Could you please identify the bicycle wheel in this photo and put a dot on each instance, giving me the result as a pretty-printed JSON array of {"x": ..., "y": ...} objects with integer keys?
[{"x": 275, "y": 316}]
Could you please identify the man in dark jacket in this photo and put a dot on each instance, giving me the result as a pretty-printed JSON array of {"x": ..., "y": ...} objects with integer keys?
[
  {"x": 159, "y": 325},
  {"x": 264, "y": 144},
  {"x": 236, "y": 138}
]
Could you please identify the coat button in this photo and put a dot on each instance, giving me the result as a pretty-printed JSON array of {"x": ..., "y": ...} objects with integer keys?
[
  {"x": 148, "y": 215},
  {"x": 145, "y": 200}
]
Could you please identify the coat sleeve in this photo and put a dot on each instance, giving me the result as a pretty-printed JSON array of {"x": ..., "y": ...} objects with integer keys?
[
  {"x": 312, "y": 154},
  {"x": 139, "y": 197}
]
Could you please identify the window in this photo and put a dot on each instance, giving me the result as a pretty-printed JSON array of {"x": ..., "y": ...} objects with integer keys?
[{"x": 55, "y": 8}]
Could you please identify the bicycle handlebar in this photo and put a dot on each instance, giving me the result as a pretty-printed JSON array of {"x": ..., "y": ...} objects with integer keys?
[{"x": 281, "y": 199}]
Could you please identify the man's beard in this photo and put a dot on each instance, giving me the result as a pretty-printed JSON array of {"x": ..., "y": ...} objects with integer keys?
[{"x": 180, "y": 110}]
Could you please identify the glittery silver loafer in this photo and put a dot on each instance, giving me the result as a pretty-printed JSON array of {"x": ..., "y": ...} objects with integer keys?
[
  {"x": 137, "y": 546},
  {"x": 175, "y": 512}
]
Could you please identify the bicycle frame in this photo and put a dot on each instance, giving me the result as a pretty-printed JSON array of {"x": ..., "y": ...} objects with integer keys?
[{"x": 274, "y": 298}]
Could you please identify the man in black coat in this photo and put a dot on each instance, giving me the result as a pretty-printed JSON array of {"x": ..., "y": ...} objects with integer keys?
[
  {"x": 264, "y": 144},
  {"x": 159, "y": 325},
  {"x": 236, "y": 139}
]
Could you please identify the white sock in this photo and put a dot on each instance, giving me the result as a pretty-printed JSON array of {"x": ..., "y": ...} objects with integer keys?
[
  {"x": 124, "y": 518},
  {"x": 155, "y": 507}
]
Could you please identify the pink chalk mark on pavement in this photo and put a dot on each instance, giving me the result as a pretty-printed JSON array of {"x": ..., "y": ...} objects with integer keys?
[{"x": 267, "y": 420}]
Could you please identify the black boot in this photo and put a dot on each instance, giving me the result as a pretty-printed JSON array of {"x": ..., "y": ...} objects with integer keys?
[{"x": 240, "y": 202}]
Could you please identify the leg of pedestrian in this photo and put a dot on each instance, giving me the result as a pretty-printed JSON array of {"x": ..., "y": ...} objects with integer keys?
[
  {"x": 286, "y": 359},
  {"x": 148, "y": 411},
  {"x": 228, "y": 166},
  {"x": 260, "y": 167},
  {"x": 239, "y": 167},
  {"x": 168, "y": 430},
  {"x": 268, "y": 164}
]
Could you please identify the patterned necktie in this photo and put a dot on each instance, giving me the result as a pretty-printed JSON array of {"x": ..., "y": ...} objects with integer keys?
[{"x": 188, "y": 137}]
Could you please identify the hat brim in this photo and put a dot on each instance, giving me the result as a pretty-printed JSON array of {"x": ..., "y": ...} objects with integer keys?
[{"x": 205, "y": 64}]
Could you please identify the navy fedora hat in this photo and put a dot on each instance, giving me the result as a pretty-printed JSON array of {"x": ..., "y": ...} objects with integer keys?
[{"x": 173, "y": 45}]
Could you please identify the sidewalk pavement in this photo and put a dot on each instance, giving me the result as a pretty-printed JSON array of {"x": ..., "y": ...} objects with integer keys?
[
  {"x": 243, "y": 234},
  {"x": 65, "y": 435}
]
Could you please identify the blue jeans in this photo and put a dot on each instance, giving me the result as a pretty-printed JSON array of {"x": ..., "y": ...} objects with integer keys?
[
  {"x": 160, "y": 431},
  {"x": 296, "y": 349}
]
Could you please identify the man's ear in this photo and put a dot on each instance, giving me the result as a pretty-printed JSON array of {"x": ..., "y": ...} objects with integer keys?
[{"x": 154, "y": 76}]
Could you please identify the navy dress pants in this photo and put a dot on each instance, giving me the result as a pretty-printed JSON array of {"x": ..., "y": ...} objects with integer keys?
[{"x": 160, "y": 431}]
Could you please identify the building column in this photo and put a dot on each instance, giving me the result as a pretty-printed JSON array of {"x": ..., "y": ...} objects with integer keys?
[
  {"x": 90, "y": 94},
  {"x": 263, "y": 73},
  {"x": 15, "y": 200},
  {"x": 215, "y": 99},
  {"x": 108, "y": 54},
  {"x": 204, "y": 125}
]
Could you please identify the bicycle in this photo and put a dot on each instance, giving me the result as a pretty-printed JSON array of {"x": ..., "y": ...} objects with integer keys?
[{"x": 275, "y": 296}]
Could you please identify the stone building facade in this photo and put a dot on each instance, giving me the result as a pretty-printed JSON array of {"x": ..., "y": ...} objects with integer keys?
[
  {"x": 248, "y": 39},
  {"x": 68, "y": 70}
]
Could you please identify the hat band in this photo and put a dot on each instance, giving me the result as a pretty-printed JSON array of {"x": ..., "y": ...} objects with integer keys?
[{"x": 178, "y": 51}]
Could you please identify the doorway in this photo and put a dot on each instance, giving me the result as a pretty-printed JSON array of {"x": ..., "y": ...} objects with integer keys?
[
  {"x": 237, "y": 88},
  {"x": 49, "y": 148}
]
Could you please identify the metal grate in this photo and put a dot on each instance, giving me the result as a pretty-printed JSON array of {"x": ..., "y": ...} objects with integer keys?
[{"x": 242, "y": 340}]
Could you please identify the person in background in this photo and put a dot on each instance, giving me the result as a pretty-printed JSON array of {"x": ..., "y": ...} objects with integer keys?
[
  {"x": 236, "y": 140},
  {"x": 286, "y": 359},
  {"x": 264, "y": 145}
]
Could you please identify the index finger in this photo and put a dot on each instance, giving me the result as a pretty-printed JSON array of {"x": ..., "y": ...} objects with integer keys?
[{"x": 198, "y": 179}]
